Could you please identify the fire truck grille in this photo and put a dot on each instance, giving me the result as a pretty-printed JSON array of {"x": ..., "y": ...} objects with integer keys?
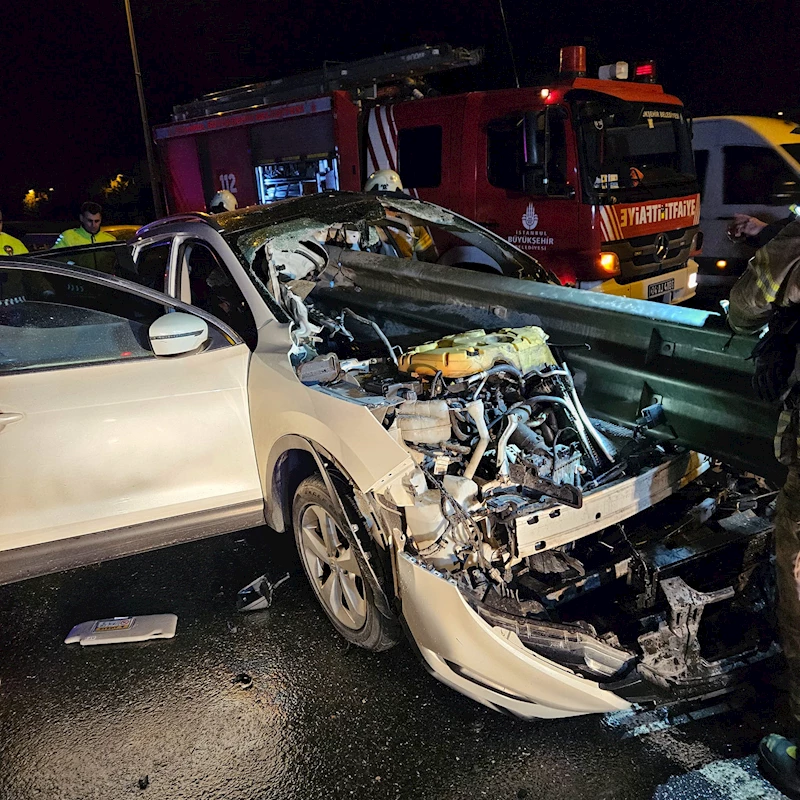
[{"x": 643, "y": 256}]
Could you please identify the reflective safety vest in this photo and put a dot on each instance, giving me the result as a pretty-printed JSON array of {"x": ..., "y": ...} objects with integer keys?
[
  {"x": 75, "y": 237},
  {"x": 9, "y": 246}
]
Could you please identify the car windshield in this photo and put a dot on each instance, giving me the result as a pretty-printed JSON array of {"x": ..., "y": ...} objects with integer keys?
[
  {"x": 398, "y": 227},
  {"x": 633, "y": 150}
]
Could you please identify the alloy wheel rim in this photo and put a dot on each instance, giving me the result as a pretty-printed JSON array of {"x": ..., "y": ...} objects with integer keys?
[{"x": 332, "y": 567}]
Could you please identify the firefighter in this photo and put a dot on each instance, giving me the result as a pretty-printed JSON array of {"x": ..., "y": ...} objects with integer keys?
[
  {"x": 223, "y": 201},
  {"x": 420, "y": 245},
  {"x": 384, "y": 180},
  {"x": 769, "y": 293},
  {"x": 91, "y": 218},
  {"x": 9, "y": 246}
]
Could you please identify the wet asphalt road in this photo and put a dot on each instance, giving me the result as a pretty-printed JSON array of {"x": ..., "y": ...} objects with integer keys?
[{"x": 168, "y": 719}]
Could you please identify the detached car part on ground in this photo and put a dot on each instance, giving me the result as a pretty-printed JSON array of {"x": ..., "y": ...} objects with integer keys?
[{"x": 544, "y": 563}]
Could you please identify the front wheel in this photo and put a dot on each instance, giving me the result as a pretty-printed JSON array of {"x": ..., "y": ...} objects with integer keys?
[{"x": 336, "y": 569}]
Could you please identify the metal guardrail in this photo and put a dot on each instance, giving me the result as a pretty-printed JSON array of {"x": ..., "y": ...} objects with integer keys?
[{"x": 641, "y": 352}]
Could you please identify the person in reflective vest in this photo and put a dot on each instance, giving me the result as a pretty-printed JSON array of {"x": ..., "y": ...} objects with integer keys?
[
  {"x": 9, "y": 246},
  {"x": 91, "y": 218}
]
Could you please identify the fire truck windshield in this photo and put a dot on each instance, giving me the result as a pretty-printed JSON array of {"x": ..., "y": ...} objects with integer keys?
[{"x": 633, "y": 150}]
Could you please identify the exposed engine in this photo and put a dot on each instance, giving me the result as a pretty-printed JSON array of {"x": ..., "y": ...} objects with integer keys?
[
  {"x": 553, "y": 522},
  {"x": 610, "y": 550},
  {"x": 498, "y": 433}
]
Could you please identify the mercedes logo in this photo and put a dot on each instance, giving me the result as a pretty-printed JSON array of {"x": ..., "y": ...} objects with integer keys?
[{"x": 661, "y": 246}]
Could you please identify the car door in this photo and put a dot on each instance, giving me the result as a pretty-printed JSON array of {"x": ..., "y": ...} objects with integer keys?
[{"x": 99, "y": 435}]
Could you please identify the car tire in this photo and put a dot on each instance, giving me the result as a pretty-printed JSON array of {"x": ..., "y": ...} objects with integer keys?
[{"x": 336, "y": 568}]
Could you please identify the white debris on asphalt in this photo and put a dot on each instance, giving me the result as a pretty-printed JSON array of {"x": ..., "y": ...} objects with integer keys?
[{"x": 117, "y": 630}]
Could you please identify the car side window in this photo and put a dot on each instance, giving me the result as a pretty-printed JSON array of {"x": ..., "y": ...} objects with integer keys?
[
  {"x": 757, "y": 176},
  {"x": 50, "y": 321},
  {"x": 151, "y": 265},
  {"x": 212, "y": 288},
  {"x": 114, "y": 259}
]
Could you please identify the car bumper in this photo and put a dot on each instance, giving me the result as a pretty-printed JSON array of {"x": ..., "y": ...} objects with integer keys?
[{"x": 486, "y": 663}]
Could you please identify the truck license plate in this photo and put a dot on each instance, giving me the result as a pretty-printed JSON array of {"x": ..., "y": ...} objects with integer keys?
[{"x": 662, "y": 287}]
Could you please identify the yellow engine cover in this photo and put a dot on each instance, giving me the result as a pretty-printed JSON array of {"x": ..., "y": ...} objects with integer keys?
[{"x": 471, "y": 352}]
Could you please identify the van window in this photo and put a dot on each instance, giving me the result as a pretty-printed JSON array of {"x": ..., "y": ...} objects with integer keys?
[
  {"x": 757, "y": 176},
  {"x": 419, "y": 155},
  {"x": 701, "y": 167},
  {"x": 793, "y": 150}
]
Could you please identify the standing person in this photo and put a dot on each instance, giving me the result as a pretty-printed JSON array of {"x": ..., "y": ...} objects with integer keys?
[
  {"x": 91, "y": 218},
  {"x": 769, "y": 293},
  {"x": 9, "y": 246}
]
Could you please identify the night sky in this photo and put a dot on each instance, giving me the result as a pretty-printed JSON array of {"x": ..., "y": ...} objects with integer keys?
[{"x": 68, "y": 99}]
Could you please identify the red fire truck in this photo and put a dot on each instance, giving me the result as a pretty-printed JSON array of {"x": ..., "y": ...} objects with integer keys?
[{"x": 593, "y": 176}]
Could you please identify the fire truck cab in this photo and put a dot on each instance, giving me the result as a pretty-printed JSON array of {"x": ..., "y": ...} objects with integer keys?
[{"x": 593, "y": 177}]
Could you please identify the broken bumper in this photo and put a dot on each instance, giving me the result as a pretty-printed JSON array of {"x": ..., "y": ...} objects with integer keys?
[{"x": 489, "y": 664}]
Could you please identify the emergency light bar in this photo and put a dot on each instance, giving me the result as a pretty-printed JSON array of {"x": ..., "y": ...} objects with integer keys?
[
  {"x": 645, "y": 72},
  {"x": 614, "y": 72}
]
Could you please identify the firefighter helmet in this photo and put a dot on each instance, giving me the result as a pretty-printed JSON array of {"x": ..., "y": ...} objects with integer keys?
[
  {"x": 223, "y": 201},
  {"x": 384, "y": 180}
]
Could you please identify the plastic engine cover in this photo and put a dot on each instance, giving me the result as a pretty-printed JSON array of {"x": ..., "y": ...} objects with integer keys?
[{"x": 468, "y": 353}]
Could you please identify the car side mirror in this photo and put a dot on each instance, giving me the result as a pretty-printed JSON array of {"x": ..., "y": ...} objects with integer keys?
[{"x": 177, "y": 333}]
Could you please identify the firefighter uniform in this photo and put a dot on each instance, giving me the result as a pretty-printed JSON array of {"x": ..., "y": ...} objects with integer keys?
[
  {"x": 75, "y": 237},
  {"x": 771, "y": 282},
  {"x": 9, "y": 246},
  {"x": 417, "y": 245}
]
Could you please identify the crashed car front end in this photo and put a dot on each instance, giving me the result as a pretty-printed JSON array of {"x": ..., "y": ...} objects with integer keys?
[{"x": 545, "y": 563}]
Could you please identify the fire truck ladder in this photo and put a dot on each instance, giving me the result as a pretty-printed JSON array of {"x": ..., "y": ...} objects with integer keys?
[{"x": 356, "y": 77}]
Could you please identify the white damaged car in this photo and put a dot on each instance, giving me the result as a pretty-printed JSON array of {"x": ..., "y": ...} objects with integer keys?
[{"x": 228, "y": 370}]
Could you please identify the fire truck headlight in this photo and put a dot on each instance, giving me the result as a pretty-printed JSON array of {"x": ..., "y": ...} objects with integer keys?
[
  {"x": 608, "y": 263},
  {"x": 692, "y": 280}
]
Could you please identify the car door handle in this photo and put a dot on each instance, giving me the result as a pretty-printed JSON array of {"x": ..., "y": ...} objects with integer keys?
[{"x": 8, "y": 417}]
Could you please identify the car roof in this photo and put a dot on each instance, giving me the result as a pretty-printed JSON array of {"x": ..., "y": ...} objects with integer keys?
[{"x": 327, "y": 207}]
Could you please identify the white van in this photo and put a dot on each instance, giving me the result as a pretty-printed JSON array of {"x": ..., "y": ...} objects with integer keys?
[{"x": 747, "y": 165}]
